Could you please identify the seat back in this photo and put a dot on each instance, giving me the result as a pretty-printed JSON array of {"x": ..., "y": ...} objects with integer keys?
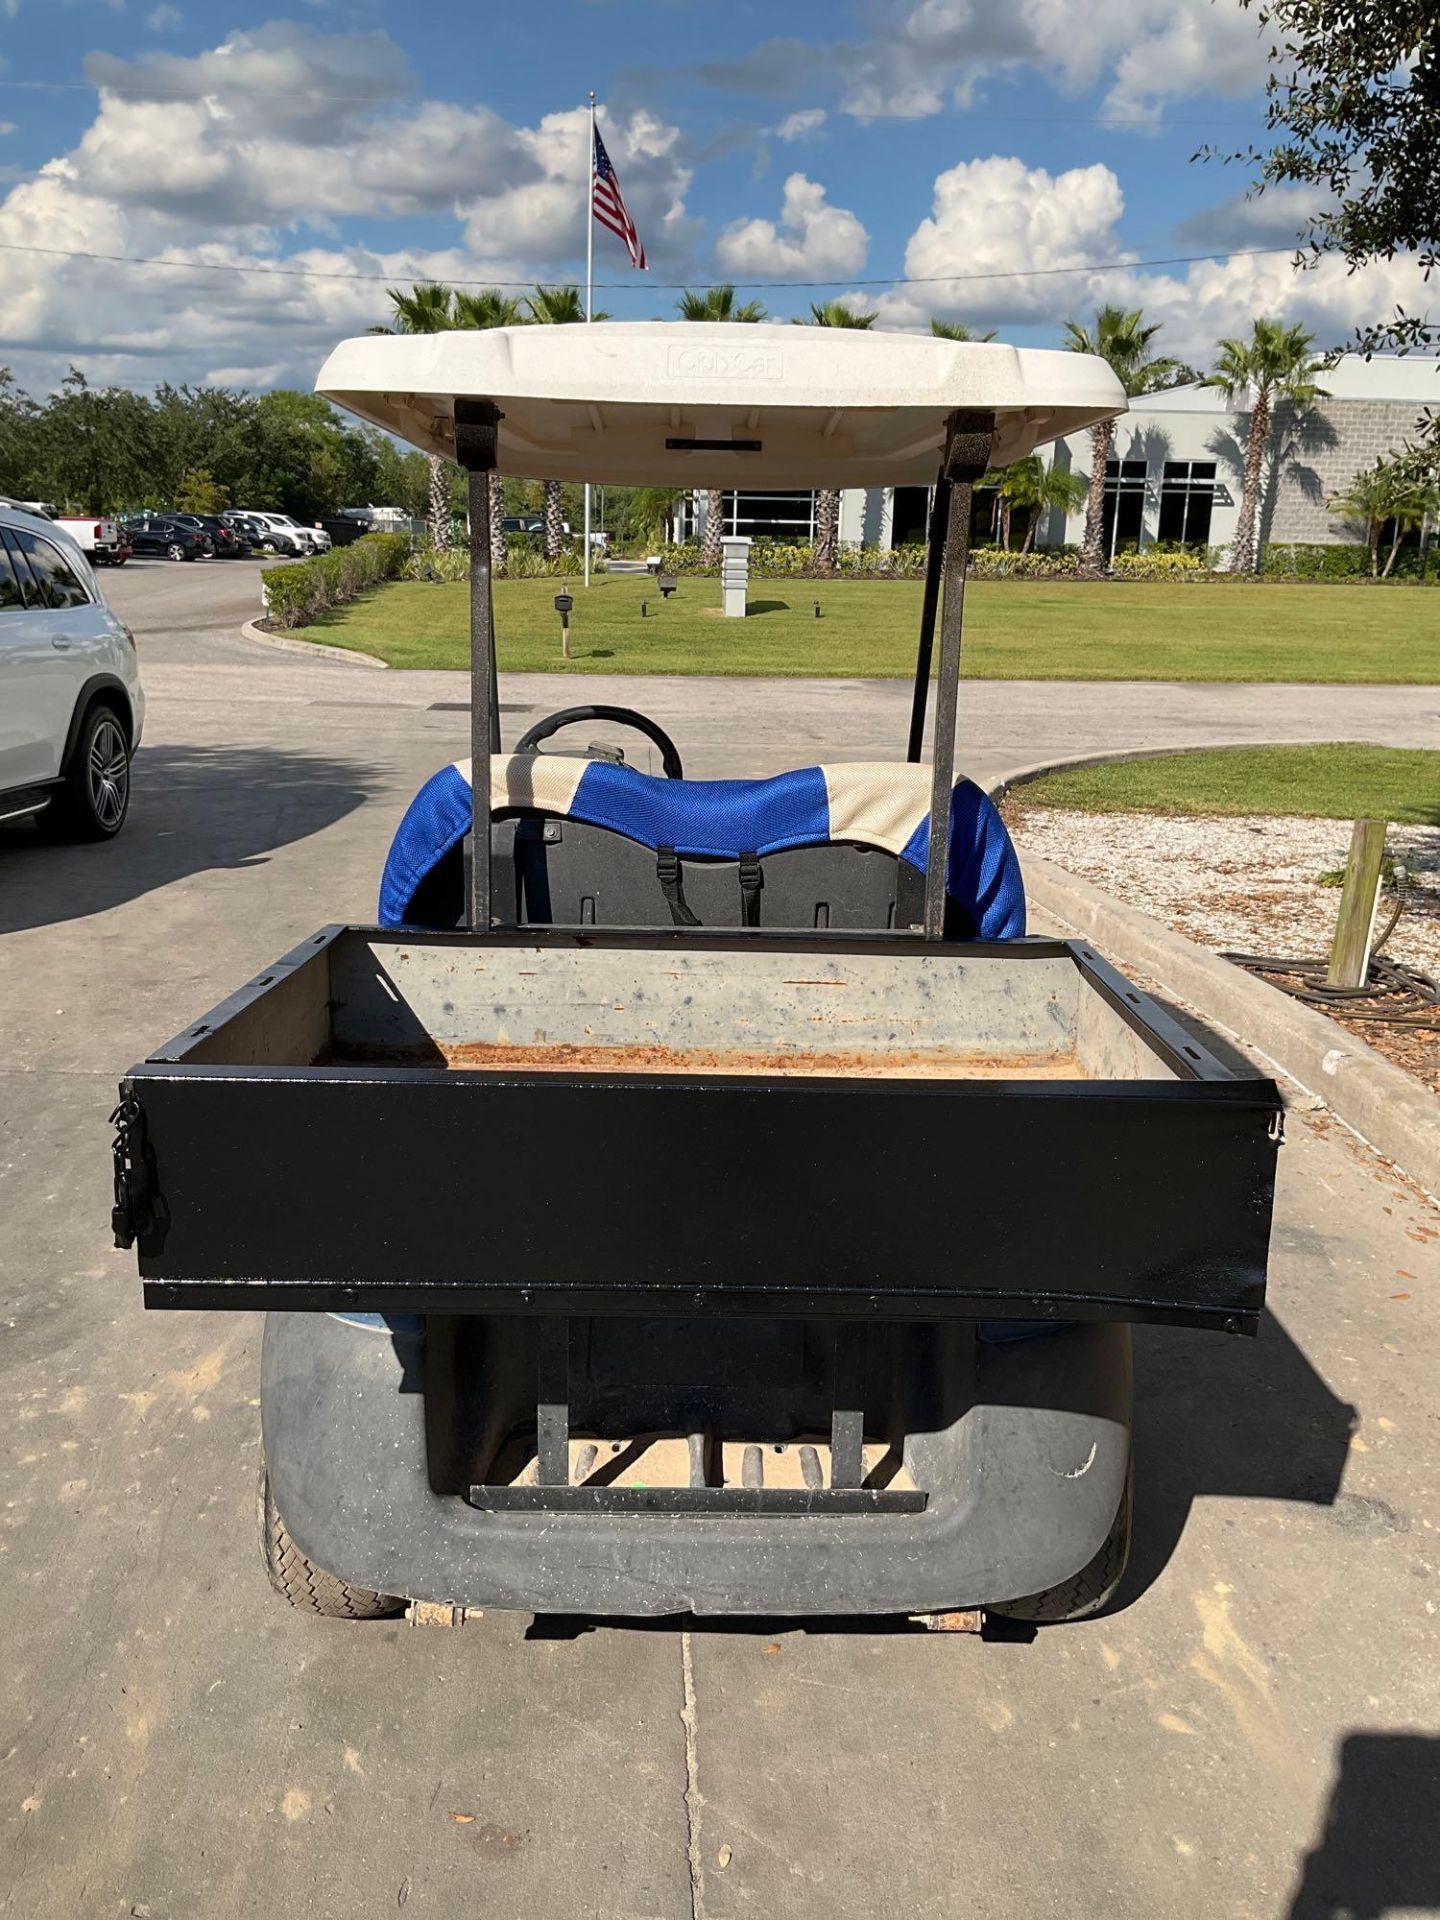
[{"x": 577, "y": 842}]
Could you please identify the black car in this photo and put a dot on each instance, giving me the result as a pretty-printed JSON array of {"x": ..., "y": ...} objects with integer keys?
[
  {"x": 228, "y": 542},
  {"x": 163, "y": 533}
]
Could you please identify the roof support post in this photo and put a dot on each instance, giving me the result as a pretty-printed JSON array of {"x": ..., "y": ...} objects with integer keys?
[
  {"x": 477, "y": 428},
  {"x": 925, "y": 653},
  {"x": 969, "y": 437}
]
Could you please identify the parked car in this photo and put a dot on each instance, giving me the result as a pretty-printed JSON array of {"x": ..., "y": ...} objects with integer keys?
[
  {"x": 71, "y": 705},
  {"x": 227, "y": 542},
  {"x": 316, "y": 538},
  {"x": 266, "y": 536},
  {"x": 100, "y": 539},
  {"x": 164, "y": 534},
  {"x": 522, "y": 523}
]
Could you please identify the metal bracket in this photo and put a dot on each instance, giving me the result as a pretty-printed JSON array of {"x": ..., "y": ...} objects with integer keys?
[
  {"x": 969, "y": 437},
  {"x": 477, "y": 435}
]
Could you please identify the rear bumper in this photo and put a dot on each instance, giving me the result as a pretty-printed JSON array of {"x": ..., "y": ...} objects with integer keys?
[{"x": 1025, "y": 1467}]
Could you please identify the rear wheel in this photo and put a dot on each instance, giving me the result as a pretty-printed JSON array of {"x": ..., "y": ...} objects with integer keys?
[
  {"x": 93, "y": 802},
  {"x": 306, "y": 1586},
  {"x": 1093, "y": 1587}
]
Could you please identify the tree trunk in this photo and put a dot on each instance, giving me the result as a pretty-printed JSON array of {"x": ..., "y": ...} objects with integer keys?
[
  {"x": 1007, "y": 513},
  {"x": 439, "y": 503},
  {"x": 1092, "y": 552},
  {"x": 827, "y": 529},
  {"x": 714, "y": 527},
  {"x": 497, "y": 529},
  {"x": 1394, "y": 549},
  {"x": 1374, "y": 542},
  {"x": 1028, "y": 544},
  {"x": 554, "y": 512},
  {"x": 1245, "y": 557}
]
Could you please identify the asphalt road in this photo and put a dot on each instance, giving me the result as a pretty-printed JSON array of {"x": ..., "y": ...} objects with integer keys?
[{"x": 1253, "y": 1732}]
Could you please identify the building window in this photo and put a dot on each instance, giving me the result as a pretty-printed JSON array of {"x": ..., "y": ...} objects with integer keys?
[
  {"x": 1187, "y": 500},
  {"x": 771, "y": 516},
  {"x": 1124, "y": 504},
  {"x": 909, "y": 516}
]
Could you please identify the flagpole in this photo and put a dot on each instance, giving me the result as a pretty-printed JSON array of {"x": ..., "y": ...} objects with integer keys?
[{"x": 589, "y": 285}]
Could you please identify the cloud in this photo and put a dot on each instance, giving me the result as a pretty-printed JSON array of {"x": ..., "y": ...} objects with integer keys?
[
  {"x": 239, "y": 153},
  {"x": 802, "y": 125},
  {"x": 164, "y": 18},
  {"x": 812, "y": 237},
  {"x": 6, "y": 126},
  {"x": 1274, "y": 218},
  {"x": 924, "y": 55},
  {"x": 998, "y": 216}
]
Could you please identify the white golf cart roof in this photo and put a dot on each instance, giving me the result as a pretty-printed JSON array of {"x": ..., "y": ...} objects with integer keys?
[{"x": 715, "y": 404}]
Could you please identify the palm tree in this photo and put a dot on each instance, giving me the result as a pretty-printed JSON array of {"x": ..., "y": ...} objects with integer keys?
[
  {"x": 476, "y": 312},
  {"x": 957, "y": 330},
  {"x": 1121, "y": 338},
  {"x": 433, "y": 307},
  {"x": 1033, "y": 488},
  {"x": 1368, "y": 502},
  {"x": 716, "y": 303},
  {"x": 831, "y": 313},
  {"x": 1274, "y": 365},
  {"x": 556, "y": 307},
  {"x": 429, "y": 307}
]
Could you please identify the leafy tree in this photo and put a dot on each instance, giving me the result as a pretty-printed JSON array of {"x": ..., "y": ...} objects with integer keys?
[
  {"x": 1276, "y": 365},
  {"x": 19, "y": 438},
  {"x": 1354, "y": 95},
  {"x": 831, "y": 313},
  {"x": 199, "y": 492},
  {"x": 95, "y": 443},
  {"x": 957, "y": 330},
  {"x": 556, "y": 307},
  {"x": 1122, "y": 339},
  {"x": 717, "y": 303}
]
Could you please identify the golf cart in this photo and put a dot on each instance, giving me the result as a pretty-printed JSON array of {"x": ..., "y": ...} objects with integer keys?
[{"x": 701, "y": 1196}]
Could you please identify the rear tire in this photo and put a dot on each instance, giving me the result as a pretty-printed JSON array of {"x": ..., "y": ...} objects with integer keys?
[
  {"x": 307, "y": 1587},
  {"x": 1094, "y": 1586},
  {"x": 95, "y": 799}
]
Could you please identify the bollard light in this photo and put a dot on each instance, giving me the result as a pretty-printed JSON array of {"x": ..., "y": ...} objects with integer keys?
[
  {"x": 564, "y": 603},
  {"x": 818, "y": 614},
  {"x": 644, "y": 609}
]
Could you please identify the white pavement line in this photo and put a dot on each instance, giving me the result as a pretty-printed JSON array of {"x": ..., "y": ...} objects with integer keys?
[{"x": 694, "y": 1799}]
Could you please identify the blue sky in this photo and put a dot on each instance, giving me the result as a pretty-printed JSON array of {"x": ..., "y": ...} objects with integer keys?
[{"x": 921, "y": 156}]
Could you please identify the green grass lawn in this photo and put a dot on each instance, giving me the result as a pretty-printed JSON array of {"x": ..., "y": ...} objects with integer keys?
[
  {"x": 1063, "y": 630},
  {"x": 1328, "y": 783}
]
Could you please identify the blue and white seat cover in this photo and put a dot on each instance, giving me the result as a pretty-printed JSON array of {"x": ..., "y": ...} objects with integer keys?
[{"x": 875, "y": 803}]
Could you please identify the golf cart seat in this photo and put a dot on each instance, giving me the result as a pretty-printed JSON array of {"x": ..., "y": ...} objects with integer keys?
[{"x": 578, "y": 841}]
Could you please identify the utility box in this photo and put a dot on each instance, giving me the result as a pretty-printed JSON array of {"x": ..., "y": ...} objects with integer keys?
[{"x": 734, "y": 574}]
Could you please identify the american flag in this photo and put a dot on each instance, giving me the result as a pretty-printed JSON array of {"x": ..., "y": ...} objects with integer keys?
[{"x": 609, "y": 204}]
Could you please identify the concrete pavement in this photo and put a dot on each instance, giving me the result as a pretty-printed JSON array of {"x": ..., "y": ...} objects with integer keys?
[{"x": 1254, "y": 1732}]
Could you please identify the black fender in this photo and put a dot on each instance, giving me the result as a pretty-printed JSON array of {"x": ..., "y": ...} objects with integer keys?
[{"x": 97, "y": 684}]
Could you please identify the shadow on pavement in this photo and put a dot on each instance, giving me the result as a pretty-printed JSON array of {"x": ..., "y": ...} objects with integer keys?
[
  {"x": 1379, "y": 1853},
  {"x": 192, "y": 810}
]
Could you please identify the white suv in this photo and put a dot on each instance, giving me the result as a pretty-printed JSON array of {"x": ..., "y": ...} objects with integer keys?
[
  {"x": 71, "y": 707},
  {"x": 315, "y": 538}
]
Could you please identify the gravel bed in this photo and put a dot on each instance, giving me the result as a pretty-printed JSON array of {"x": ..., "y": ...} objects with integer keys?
[{"x": 1250, "y": 885}]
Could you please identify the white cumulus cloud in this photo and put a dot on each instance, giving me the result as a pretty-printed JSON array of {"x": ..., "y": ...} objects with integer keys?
[
  {"x": 811, "y": 237},
  {"x": 802, "y": 125}
]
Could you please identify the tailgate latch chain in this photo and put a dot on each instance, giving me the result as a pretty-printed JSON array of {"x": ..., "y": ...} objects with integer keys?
[{"x": 133, "y": 1211}]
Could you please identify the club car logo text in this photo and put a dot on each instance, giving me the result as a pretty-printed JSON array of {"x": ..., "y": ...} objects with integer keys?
[{"x": 726, "y": 363}]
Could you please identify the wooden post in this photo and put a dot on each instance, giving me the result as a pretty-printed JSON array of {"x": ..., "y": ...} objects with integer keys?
[{"x": 1359, "y": 898}]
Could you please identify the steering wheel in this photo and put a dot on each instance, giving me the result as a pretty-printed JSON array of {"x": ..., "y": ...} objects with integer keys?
[{"x": 622, "y": 716}]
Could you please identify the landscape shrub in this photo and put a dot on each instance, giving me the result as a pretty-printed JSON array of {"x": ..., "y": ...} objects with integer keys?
[
  {"x": 524, "y": 560},
  {"x": 297, "y": 594}
]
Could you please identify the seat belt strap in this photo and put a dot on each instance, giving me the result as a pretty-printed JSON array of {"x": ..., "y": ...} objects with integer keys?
[
  {"x": 752, "y": 880},
  {"x": 667, "y": 869}
]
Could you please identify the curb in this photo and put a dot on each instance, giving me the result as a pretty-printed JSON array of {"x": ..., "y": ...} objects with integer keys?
[
  {"x": 1390, "y": 1110},
  {"x": 285, "y": 644}
]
